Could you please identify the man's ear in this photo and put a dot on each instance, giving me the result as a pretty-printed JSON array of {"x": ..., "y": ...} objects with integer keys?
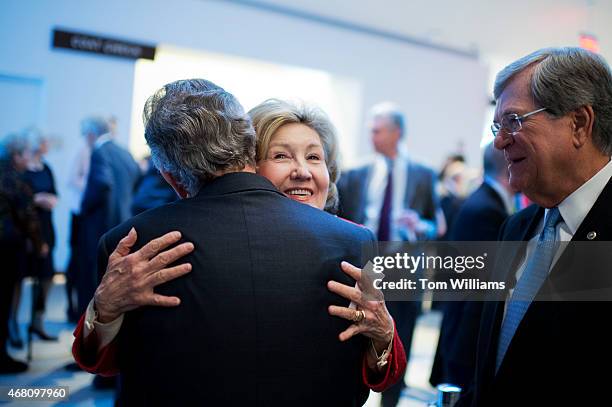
[
  {"x": 582, "y": 123},
  {"x": 178, "y": 188}
]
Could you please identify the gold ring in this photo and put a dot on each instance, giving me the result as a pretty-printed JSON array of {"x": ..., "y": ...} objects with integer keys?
[{"x": 359, "y": 316}]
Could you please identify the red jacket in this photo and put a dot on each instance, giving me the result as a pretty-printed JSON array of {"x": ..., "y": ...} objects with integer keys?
[{"x": 105, "y": 362}]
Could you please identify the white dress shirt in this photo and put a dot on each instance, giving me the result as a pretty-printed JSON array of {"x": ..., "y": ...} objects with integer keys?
[
  {"x": 573, "y": 210},
  {"x": 376, "y": 192},
  {"x": 506, "y": 197},
  {"x": 105, "y": 332}
]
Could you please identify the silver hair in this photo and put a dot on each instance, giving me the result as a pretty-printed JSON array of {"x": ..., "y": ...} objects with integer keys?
[
  {"x": 94, "y": 125},
  {"x": 13, "y": 144},
  {"x": 272, "y": 114},
  {"x": 391, "y": 111},
  {"x": 196, "y": 130},
  {"x": 35, "y": 138},
  {"x": 565, "y": 79}
]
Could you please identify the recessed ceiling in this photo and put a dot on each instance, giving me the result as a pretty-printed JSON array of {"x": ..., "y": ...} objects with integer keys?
[{"x": 498, "y": 31}]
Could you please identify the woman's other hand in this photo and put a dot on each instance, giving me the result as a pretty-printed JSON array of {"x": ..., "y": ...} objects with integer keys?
[
  {"x": 130, "y": 278},
  {"x": 371, "y": 318}
]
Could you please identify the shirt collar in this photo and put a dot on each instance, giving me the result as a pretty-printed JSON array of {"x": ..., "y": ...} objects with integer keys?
[
  {"x": 577, "y": 205},
  {"x": 505, "y": 196},
  {"x": 103, "y": 139}
]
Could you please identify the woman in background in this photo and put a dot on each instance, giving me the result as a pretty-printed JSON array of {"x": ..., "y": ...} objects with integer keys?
[
  {"x": 40, "y": 179},
  {"x": 19, "y": 228}
]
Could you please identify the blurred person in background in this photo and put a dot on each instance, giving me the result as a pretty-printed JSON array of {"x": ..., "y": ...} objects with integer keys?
[
  {"x": 76, "y": 188},
  {"x": 452, "y": 188},
  {"x": 479, "y": 219},
  {"x": 113, "y": 175},
  {"x": 113, "y": 124},
  {"x": 396, "y": 198},
  {"x": 152, "y": 190},
  {"x": 42, "y": 183},
  {"x": 111, "y": 179},
  {"x": 19, "y": 232}
]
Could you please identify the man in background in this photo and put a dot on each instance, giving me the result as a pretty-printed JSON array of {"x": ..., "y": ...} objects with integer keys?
[
  {"x": 111, "y": 179},
  {"x": 479, "y": 219},
  {"x": 396, "y": 198}
]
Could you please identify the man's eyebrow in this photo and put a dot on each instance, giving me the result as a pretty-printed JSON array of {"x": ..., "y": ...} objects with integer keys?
[
  {"x": 511, "y": 110},
  {"x": 506, "y": 112}
]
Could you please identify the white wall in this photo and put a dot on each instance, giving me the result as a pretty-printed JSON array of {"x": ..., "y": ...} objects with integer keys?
[{"x": 443, "y": 95}]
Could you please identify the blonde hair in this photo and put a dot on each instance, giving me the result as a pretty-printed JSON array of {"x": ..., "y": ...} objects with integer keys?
[{"x": 272, "y": 114}]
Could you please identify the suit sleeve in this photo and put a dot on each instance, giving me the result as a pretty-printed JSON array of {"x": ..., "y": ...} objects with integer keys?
[
  {"x": 99, "y": 182},
  {"x": 432, "y": 205},
  {"x": 396, "y": 367},
  {"x": 85, "y": 349}
]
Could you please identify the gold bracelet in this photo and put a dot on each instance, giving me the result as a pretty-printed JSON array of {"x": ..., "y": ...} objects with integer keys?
[{"x": 382, "y": 360}]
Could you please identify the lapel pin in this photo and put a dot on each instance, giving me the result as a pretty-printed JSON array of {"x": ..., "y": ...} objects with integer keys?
[{"x": 591, "y": 235}]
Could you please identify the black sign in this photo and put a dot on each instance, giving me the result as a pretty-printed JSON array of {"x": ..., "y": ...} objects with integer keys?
[{"x": 102, "y": 45}]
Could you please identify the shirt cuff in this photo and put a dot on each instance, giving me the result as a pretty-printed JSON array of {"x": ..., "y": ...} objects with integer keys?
[{"x": 105, "y": 332}]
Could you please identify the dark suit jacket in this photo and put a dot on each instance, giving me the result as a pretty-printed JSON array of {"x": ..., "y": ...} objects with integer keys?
[
  {"x": 479, "y": 219},
  {"x": 557, "y": 353},
  {"x": 253, "y": 327},
  {"x": 113, "y": 174},
  {"x": 420, "y": 194}
]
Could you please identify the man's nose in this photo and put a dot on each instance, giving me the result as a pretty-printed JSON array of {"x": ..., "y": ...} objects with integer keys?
[{"x": 503, "y": 140}]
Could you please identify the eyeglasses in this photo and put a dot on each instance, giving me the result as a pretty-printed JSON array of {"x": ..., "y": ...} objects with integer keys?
[{"x": 512, "y": 123}]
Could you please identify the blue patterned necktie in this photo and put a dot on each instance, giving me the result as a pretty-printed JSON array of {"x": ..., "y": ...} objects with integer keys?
[{"x": 529, "y": 283}]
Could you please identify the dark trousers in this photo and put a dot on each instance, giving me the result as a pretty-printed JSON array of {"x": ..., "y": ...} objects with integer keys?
[
  {"x": 13, "y": 259},
  {"x": 72, "y": 271},
  {"x": 405, "y": 314}
]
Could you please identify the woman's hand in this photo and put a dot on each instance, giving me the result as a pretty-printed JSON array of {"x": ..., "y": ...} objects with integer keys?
[
  {"x": 130, "y": 278},
  {"x": 45, "y": 200},
  {"x": 375, "y": 322}
]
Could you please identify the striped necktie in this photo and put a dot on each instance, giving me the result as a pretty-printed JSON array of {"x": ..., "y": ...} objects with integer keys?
[{"x": 529, "y": 284}]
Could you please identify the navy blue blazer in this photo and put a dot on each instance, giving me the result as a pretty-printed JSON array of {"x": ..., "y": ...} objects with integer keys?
[
  {"x": 113, "y": 174},
  {"x": 253, "y": 327}
]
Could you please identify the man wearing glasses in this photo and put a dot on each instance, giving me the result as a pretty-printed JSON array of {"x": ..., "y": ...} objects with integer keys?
[{"x": 553, "y": 121}]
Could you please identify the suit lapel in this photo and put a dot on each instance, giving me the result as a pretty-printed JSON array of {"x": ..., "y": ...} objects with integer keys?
[
  {"x": 493, "y": 311},
  {"x": 598, "y": 219},
  {"x": 494, "y": 195},
  {"x": 364, "y": 192},
  {"x": 563, "y": 282},
  {"x": 410, "y": 185}
]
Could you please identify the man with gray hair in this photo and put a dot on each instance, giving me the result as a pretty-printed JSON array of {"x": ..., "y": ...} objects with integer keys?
[
  {"x": 253, "y": 326},
  {"x": 106, "y": 201},
  {"x": 396, "y": 198},
  {"x": 553, "y": 121}
]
